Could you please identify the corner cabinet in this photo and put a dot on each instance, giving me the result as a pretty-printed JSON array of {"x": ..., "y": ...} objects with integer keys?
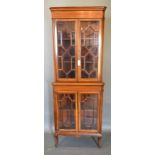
[{"x": 78, "y": 34}]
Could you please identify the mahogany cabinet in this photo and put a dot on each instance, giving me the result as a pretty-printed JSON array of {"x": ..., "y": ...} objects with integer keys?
[{"x": 78, "y": 34}]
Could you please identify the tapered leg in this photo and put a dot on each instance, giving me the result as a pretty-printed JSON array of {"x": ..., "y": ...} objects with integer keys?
[
  {"x": 99, "y": 141},
  {"x": 56, "y": 138}
]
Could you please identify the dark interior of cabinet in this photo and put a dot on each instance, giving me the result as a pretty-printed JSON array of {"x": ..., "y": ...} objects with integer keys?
[
  {"x": 88, "y": 108},
  {"x": 88, "y": 111},
  {"x": 89, "y": 48},
  {"x": 66, "y": 49},
  {"x": 66, "y": 105}
]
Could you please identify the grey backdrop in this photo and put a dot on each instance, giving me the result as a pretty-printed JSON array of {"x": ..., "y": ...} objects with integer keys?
[{"x": 48, "y": 59}]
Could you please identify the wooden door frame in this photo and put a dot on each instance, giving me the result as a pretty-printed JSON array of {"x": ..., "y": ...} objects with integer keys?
[
  {"x": 55, "y": 50},
  {"x": 100, "y": 50},
  {"x": 98, "y": 112},
  {"x": 78, "y": 51},
  {"x": 57, "y": 110}
]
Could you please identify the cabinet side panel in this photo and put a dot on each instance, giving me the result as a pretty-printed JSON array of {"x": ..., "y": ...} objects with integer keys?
[
  {"x": 55, "y": 111},
  {"x": 101, "y": 110},
  {"x": 102, "y": 48},
  {"x": 54, "y": 48}
]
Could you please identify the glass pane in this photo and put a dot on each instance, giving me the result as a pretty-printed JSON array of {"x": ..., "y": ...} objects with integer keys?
[
  {"x": 66, "y": 49},
  {"x": 89, "y": 48},
  {"x": 88, "y": 111},
  {"x": 66, "y": 105}
]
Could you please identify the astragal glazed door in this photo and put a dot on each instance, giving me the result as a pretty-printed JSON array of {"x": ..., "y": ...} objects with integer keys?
[
  {"x": 65, "y": 55},
  {"x": 78, "y": 50},
  {"x": 88, "y": 111},
  {"x": 67, "y": 110},
  {"x": 90, "y": 50}
]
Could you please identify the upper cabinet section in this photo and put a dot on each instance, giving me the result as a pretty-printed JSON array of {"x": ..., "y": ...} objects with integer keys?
[
  {"x": 78, "y": 43},
  {"x": 78, "y": 12}
]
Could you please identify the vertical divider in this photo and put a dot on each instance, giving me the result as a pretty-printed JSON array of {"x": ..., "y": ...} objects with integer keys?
[
  {"x": 56, "y": 111},
  {"x": 101, "y": 40},
  {"x": 78, "y": 40},
  {"x": 54, "y": 47},
  {"x": 101, "y": 109},
  {"x": 78, "y": 111},
  {"x": 99, "y": 114},
  {"x": 76, "y": 48}
]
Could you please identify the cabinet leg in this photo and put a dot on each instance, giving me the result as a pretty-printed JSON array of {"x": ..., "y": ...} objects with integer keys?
[
  {"x": 99, "y": 141},
  {"x": 56, "y": 138}
]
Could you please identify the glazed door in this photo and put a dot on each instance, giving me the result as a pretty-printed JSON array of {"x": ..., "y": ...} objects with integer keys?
[
  {"x": 65, "y": 47},
  {"x": 78, "y": 49},
  {"x": 67, "y": 110},
  {"x": 88, "y": 111},
  {"x": 90, "y": 50}
]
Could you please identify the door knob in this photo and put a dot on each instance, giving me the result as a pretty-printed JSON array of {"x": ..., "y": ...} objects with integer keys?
[{"x": 79, "y": 62}]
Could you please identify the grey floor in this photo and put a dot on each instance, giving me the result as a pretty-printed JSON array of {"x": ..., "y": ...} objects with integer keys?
[{"x": 77, "y": 145}]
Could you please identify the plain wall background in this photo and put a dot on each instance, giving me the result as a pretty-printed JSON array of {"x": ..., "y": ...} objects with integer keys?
[{"x": 48, "y": 59}]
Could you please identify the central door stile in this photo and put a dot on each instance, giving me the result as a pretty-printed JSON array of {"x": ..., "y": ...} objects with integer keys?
[
  {"x": 78, "y": 50},
  {"x": 76, "y": 47},
  {"x": 78, "y": 100},
  {"x": 79, "y": 118},
  {"x": 76, "y": 112}
]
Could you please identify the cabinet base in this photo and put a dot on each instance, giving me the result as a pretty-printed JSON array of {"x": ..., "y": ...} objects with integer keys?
[{"x": 93, "y": 135}]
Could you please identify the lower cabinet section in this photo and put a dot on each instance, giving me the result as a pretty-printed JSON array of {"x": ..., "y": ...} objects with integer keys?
[{"x": 78, "y": 111}]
